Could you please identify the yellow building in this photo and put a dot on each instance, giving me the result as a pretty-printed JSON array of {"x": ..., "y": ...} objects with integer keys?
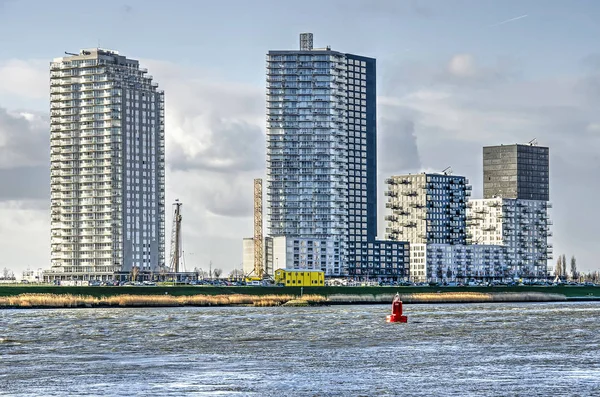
[{"x": 300, "y": 278}]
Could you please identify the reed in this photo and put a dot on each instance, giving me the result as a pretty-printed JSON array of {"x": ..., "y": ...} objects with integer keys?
[
  {"x": 66, "y": 300},
  {"x": 451, "y": 297}
]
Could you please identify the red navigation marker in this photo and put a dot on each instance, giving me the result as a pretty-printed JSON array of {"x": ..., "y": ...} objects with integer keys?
[{"x": 396, "y": 316}]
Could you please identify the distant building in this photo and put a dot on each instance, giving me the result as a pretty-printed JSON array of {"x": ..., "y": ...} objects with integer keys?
[
  {"x": 322, "y": 163},
  {"x": 32, "y": 276},
  {"x": 107, "y": 159},
  {"x": 274, "y": 255},
  {"x": 517, "y": 172},
  {"x": 463, "y": 263},
  {"x": 418, "y": 263},
  {"x": 427, "y": 208},
  {"x": 522, "y": 226}
]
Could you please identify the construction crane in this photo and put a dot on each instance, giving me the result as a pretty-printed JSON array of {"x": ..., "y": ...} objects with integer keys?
[
  {"x": 176, "y": 243},
  {"x": 258, "y": 228}
]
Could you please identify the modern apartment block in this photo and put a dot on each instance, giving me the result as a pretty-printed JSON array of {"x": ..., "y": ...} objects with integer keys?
[
  {"x": 522, "y": 226},
  {"x": 321, "y": 161},
  {"x": 516, "y": 171},
  {"x": 107, "y": 167},
  {"x": 427, "y": 208},
  {"x": 463, "y": 263}
]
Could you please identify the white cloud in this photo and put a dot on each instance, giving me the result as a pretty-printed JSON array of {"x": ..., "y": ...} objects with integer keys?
[
  {"x": 24, "y": 139},
  {"x": 461, "y": 65},
  {"x": 28, "y": 79}
]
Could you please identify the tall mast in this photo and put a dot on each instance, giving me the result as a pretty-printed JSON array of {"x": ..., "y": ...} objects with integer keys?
[
  {"x": 258, "y": 228},
  {"x": 176, "y": 249}
]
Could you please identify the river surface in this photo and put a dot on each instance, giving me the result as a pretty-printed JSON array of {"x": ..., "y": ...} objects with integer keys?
[{"x": 498, "y": 349}]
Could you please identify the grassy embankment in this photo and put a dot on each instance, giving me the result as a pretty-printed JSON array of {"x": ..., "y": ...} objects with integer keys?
[
  {"x": 53, "y": 296},
  {"x": 9, "y": 290}
]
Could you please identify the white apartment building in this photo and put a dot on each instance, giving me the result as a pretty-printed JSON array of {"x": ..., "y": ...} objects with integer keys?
[
  {"x": 427, "y": 208},
  {"x": 522, "y": 226},
  {"x": 418, "y": 263},
  {"x": 107, "y": 167},
  {"x": 446, "y": 262}
]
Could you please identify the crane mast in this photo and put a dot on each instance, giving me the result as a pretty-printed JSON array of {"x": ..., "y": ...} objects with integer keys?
[
  {"x": 258, "y": 228},
  {"x": 176, "y": 245}
]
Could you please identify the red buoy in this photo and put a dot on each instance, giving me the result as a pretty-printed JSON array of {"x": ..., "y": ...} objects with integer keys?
[{"x": 396, "y": 316}]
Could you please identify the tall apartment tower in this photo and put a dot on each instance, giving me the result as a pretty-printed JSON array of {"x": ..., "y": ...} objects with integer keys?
[
  {"x": 107, "y": 167},
  {"x": 516, "y": 172},
  {"x": 427, "y": 208},
  {"x": 321, "y": 158}
]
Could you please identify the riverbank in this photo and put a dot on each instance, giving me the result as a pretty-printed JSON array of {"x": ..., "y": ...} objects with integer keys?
[
  {"x": 374, "y": 292},
  {"x": 36, "y": 300},
  {"x": 82, "y": 301}
]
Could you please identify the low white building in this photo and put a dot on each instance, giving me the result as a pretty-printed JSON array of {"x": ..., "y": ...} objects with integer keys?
[
  {"x": 274, "y": 257},
  {"x": 446, "y": 262},
  {"x": 418, "y": 263}
]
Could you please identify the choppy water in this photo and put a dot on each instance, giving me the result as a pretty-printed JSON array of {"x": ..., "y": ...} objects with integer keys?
[{"x": 444, "y": 350}]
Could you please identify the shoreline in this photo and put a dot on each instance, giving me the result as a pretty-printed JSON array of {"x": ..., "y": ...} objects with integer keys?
[{"x": 60, "y": 301}]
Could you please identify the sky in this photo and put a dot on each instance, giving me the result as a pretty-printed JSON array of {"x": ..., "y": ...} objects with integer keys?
[{"x": 453, "y": 76}]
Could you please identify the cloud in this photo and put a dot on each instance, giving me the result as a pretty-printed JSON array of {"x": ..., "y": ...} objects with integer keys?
[
  {"x": 219, "y": 145},
  {"x": 24, "y": 139},
  {"x": 24, "y": 236},
  {"x": 26, "y": 79},
  {"x": 461, "y": 65},
  {"x": 458, "y": 72},
  {"x": 397, "y": 146}
]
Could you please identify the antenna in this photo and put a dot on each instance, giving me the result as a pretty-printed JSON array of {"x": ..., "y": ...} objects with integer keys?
[
  {"x": 447, "y": 171},
  {"x": 533, "y": 142}
]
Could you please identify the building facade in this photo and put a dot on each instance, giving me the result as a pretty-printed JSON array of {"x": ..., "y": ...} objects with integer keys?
[
  {"x": 463, "y": 263},
  {"x": 274, "y": 249},
  {"x": 427, "y": 208},
  {"x": 516, "y": 171},
  {"x": 321, "y": 159},
  {"x": 521, "y": 226},
  {"x": 107, "y": 167}
]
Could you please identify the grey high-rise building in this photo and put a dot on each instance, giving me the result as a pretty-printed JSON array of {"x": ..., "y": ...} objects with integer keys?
[
  {"x": 516, "y": 172},
  {"x": 107, "y": 167},
  {"x": 322, "y": 162}
]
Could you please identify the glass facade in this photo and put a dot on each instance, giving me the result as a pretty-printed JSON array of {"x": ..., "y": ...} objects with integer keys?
[
  {"x": 516, "y": 171},
  {"x": 321, "y": 158}
]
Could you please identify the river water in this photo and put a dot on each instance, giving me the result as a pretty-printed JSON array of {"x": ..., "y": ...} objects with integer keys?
[{"x": 445, "y": 350}]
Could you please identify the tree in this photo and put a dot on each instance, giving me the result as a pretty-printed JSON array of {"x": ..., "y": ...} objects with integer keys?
[
  {"x": 564, "y": 266},
  {"x": 440, "y": 273},
  {"x": 135, "y": 271},
  {"x": 5, "y": 273},
  {"x": 217, "y": 272},
  {"x": 573, "y": 268},
  {"x": 558, "y": 268},
  {"x": 449, "y": 274},
  {"x": 236, "y": 274}
]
